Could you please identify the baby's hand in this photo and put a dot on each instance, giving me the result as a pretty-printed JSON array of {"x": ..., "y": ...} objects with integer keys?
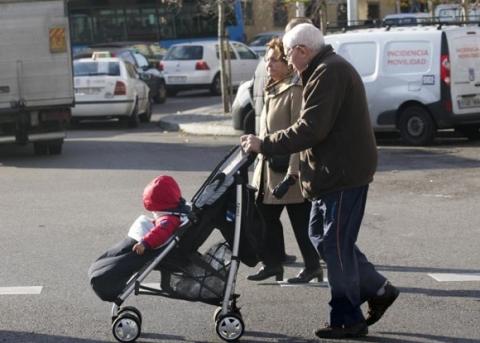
[{"x": 139, "y": 248}]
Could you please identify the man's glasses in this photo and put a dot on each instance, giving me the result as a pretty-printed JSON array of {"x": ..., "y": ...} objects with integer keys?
[{"x": 289, "y": 52}]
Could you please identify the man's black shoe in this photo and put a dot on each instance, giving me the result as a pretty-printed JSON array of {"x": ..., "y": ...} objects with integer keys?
[
  {"x": 379, "y": 304},
  {"x": 332, "y": 332}
]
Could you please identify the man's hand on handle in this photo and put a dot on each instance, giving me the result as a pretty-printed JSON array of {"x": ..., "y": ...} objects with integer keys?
[{"x": 250, "y": 143}]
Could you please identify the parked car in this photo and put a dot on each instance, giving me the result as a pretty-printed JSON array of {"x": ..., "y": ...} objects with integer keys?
[
  {"x": 243, "y": 113},
  {"x": 149, "y": 72},
  {"x": 110, "y": 88},
  {"x": 259, "y": 42},
  {"x": 418, "y": 79},
  {"x": 196, "y": 65},
  {"x": 151, "y": 50}
]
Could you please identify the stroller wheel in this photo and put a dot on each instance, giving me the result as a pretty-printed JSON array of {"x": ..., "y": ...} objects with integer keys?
[
  {"x": 131, "y": 310},
  {"x": 230, "y": 327},
  {"x": 218, "y": 311},
  {"x": 126, "y": 328}
]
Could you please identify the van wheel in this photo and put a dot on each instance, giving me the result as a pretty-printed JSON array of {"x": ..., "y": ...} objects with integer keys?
[{"x": 416, "y": 126}]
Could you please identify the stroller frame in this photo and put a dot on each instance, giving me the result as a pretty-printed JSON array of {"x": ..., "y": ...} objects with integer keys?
[{"x": 126, "y": 321}]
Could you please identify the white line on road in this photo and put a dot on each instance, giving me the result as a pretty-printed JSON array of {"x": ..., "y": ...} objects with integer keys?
[
  {"x": 20, "y": 290},
  {"x": 448, "y": 277}
]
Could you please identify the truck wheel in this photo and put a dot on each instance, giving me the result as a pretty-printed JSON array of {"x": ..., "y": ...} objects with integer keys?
[
  {"x": 40, "y": 148},
  {"x": 161, "y": 94},
  {"x": 55, "y": 147},
  {"x": 416, "y": 126},
  {"x": 471, "y": 132}
]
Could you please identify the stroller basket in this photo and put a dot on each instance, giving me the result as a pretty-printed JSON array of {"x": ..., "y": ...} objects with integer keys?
[{"x": 203, "y": 279}]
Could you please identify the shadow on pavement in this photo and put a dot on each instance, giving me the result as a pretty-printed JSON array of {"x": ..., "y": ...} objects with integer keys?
[
  {"x": 433, "y": 338},
  {"x": 456, "y": 293},
  {"x": 121, "y": 155},
  {"x": 23, "y": 337},
  {"x": 409, "y": 269}
]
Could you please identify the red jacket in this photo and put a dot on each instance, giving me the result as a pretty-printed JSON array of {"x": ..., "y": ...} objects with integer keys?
[
  {"x": 161, "y": 194},
  {"x": 164, "y": 228}
]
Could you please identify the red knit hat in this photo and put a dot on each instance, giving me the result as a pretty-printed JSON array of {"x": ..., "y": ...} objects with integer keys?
[{"x": 161, "y": 194}]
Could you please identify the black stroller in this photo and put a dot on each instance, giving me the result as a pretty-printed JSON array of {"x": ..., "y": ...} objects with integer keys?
[{"x": 224, "y": 202}]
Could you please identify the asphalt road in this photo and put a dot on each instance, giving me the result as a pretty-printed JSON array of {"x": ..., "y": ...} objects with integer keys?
[{"x": 59, "y": 213}]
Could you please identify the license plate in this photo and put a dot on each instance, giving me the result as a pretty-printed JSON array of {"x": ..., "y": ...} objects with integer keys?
[
  {"x": 177, "y": 78},
  {"x": 469, "y": 102},
  {"x": 88, "y": 91}
]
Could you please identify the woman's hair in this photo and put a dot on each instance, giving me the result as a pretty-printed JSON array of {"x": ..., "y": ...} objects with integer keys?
[
  {"x": 306, "y": 35},
  {"x": 276, "y": 45}
]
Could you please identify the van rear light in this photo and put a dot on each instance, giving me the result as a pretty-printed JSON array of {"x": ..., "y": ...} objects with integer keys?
[
  {"x": 120, "y": 88},
  {"x": 445, "y": 69},
  {"x": 160, "y": 66},
  {"x": 201, "y": 65}
]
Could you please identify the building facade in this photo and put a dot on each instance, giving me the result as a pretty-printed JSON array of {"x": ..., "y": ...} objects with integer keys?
[{"x": 273, "y": 15}]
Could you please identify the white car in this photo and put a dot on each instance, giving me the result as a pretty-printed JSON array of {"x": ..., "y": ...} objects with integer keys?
[
  {"x": 196, "y": 65},
  {"x": 110, "y": 88}
]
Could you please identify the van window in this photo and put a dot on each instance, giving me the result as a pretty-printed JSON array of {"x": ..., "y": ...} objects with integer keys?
[
  {"x": 407, "y": 57},
  {"x": 361, "y": 55}
]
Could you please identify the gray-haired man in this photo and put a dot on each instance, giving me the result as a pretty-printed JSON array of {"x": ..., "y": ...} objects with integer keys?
[{"x": 338, "y": 160}]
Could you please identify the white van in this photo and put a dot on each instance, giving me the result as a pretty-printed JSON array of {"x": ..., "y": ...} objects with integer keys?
[{"x": 418, "y": 79}]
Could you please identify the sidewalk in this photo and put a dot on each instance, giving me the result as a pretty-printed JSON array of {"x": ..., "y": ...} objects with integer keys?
[{"x": 208, "y": 120}]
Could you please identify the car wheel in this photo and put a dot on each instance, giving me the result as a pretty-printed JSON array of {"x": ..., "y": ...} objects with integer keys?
[
  {"x": 249, "y": 122},
  {"x": 133, "y": 120},
  {"x": 171, "y": 92},
  {"x": 216, "y": 86},
  {"x": 146, "y": 116},
  {"x": 161, "y": 94},
  {"x": 416, "y": 126}
]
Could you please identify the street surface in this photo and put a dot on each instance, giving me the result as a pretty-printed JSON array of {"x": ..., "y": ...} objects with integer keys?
[{"x": 59, "y": 213}]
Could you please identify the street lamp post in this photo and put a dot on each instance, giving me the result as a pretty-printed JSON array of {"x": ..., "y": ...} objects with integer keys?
[{"x": 352, "y": 12}]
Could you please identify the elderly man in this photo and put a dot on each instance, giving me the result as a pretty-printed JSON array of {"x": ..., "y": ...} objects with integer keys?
[{"x": 338, "y": 161}]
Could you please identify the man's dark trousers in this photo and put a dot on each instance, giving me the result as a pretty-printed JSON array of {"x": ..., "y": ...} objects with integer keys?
[{"x": 335, "y": 220}]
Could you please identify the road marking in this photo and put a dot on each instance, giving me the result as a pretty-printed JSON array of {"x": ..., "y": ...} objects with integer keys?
[
  {"x": 20, "y": 290},
  {"x": 450, "y": 277}
]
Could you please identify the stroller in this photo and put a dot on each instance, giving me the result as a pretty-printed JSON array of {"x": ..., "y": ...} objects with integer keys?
[{"x": 224, "y": 202}]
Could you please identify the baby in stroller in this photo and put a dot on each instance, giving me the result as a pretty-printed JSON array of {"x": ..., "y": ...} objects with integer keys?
[
  {"x": 108, "y": 275},
  {"x": 162, "y": 194}
]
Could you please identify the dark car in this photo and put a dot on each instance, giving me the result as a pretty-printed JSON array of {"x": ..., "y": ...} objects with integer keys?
[{"x": 149, "y": 73}]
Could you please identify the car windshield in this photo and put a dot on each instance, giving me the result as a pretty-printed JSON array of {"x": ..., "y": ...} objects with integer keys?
[
  {"x": 185, "y": 52},
  {"x": 95, "y": 68}
]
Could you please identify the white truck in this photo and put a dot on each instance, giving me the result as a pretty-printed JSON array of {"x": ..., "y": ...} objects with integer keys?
[{"x": 36, "y": 80}]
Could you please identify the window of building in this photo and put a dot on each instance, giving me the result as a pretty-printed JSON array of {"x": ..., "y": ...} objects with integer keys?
[
  {"x": 247, "y": 9},
  {"x": 280, "y": 13}
]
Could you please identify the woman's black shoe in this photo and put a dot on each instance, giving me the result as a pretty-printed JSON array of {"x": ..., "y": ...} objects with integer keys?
[
  {"x": 265, "y": 272},
  {"x": 306, "y": 275}
]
